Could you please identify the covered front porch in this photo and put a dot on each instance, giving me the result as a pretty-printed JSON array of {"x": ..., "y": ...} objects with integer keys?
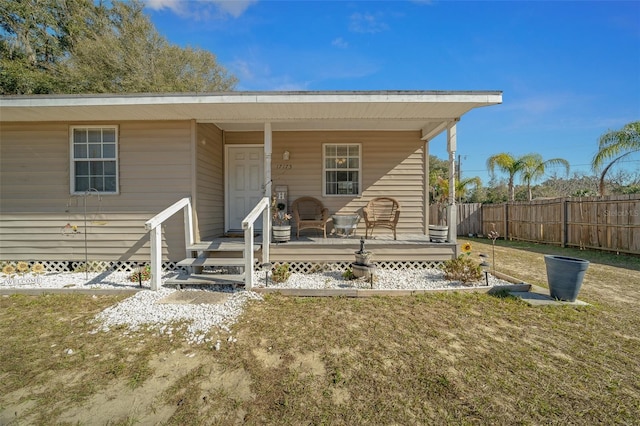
[
  {"x": 342, "y": 149},
  {"x": 243, "y": 253}
]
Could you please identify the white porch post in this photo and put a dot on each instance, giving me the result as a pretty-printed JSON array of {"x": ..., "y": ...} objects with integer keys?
[
  {"x": 427, "y": 189},
  {"x": 248, "y": 257},
  {"x": 267, "y": 159},
  {"x": 452, "y": 219},
  {"x": 266, "y": 215},
  {"x": 156, "y": 257}
]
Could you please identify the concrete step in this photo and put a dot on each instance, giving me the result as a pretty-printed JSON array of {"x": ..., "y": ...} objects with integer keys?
[{"x": 206, "y": 279}]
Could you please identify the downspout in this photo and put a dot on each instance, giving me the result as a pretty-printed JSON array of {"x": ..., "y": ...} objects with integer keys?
[{"x": 452, "y": 219}]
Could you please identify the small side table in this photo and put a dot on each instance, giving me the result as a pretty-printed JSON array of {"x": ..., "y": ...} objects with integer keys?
[{"x": 345, "y": 223}]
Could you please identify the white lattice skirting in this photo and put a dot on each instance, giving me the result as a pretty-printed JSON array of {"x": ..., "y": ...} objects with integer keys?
[
  {"x": 93, "y": 266},
  {"x": 310, "y": 267},
  {"x": 296, "y": 267}
]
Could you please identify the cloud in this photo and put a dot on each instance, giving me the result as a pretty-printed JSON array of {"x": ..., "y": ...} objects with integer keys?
[
  {"x": 175, "y": 5},
  {"x": 234, "y": 8},
  {"x": 202, "y": 8},
  {"x": 340, "y": 43},
  {"x": 366, "y": 23}
]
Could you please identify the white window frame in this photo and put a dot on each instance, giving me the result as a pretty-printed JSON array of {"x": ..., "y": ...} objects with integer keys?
[
  {"x": 74, "y": 160},
  {"x": 325, "y": 170}
]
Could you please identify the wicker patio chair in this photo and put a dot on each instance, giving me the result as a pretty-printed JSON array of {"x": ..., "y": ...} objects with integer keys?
[
  {"x": 382, "y": 212},
  {"x": 309, "y": 212}
]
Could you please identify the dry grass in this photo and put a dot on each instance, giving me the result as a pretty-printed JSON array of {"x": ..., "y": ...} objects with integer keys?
[{"x": 435, "y": 359}]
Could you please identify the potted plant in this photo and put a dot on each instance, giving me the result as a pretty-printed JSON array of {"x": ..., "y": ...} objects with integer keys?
[
  {"x": 280, "y": 226},
  {"x": 440, "y": 190}
]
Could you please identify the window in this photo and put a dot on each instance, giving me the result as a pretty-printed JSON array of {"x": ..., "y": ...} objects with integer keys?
[
  {"x": 94, "y": 158},
  {"x": 341, "y": 169}
]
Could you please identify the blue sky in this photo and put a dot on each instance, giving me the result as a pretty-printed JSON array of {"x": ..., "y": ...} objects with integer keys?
[{"x": 569, "y": 71}]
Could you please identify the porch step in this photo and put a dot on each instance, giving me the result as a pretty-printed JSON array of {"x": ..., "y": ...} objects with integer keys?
[
  {"x": 216, "y": 255},
  {"x": 212, "y": 261},
  {"x": 206, "y": 279},
  {"x": 221, "y": 245}
]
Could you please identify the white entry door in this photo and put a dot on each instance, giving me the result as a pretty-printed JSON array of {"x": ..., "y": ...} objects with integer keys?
[{"x": 245, "y": 183}]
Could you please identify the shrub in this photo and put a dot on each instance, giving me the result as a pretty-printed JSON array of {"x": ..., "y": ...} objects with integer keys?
[
  {"x": 281, "y": 273},
  {"x": 463, "y": 269},
  {"x": 348, "y": 274},
  {"x": 143, "y": 275}
]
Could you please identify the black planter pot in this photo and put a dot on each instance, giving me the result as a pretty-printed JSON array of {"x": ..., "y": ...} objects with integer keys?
[{"x": 564, "y": 275}]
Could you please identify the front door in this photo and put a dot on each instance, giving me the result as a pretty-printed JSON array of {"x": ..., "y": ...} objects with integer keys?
[{"x": 245, "y": 183}]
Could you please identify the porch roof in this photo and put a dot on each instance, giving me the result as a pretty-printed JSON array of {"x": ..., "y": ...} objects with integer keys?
[{"x": 427, "y": 111}]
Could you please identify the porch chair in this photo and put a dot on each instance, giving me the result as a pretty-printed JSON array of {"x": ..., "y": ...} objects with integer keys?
[
  {"x": 309, "y": 212},
  {"x": 382, "y": 212}
]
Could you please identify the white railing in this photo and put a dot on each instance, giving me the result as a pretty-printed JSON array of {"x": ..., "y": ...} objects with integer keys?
[
  {"x": 155, "y": 226},
  {"x": 248, "y": 226}
]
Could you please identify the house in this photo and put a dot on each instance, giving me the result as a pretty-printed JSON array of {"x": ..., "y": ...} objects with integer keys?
[{"x": 80, "y": 175}]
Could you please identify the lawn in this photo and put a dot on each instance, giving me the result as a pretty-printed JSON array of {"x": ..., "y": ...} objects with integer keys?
[{"x": 446, "y": 358}]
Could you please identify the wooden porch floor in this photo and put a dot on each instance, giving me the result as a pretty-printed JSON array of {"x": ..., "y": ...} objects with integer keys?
[
  {"x": 339, "y": 249},
  {"x": 312, "y": 248}
]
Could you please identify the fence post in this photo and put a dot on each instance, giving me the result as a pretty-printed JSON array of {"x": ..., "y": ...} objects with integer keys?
[
  {"x": 563, "y": 222},
  {"x": 506, "y": 220}
]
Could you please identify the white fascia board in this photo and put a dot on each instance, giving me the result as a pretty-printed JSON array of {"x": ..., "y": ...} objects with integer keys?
[{"x": 485, "y": 98}]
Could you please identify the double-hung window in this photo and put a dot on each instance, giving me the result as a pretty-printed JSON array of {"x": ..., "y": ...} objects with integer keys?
[
  {"x": 94, "y": 158},
  {"x": 342, "y": 165}
]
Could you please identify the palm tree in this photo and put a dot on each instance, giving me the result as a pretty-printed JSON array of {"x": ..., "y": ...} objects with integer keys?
[
  {"x": 534, "y": 168},
  {"x": 508, "y": 164},
  {"x": 615, "y": 145}
]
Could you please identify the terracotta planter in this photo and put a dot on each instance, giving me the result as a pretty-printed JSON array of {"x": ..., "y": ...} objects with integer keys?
[
  {"x": 564, "y": 275},
  {"x": 438, "y": 233},
  {"x": 281, "y": 233}
]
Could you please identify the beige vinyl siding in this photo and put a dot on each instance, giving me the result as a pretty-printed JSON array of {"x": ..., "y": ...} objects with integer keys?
[
  {"x": 392, "y": 166},
  {"x": 154, "y": 172},
  {"x": 110, "y": 237},
  {"x": 210, "y": 181},
  {"x": 34, "y": 167}
]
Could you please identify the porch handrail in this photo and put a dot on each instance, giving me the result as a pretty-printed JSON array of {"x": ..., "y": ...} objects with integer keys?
[
  {"x": 155, "y": 226},
  {"x": 248, "y": 226}
]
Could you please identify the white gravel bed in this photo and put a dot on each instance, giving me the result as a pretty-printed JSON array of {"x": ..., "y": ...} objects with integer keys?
[
  {"x": 416, "y": 279},
  {"x": 75, "y": 280},
  {"x": 142, "y": 309}
]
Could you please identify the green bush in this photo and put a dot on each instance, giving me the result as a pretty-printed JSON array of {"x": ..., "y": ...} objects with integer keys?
[
  {"x": 463, "y": 269},
  {"x": 145, "y": 274},
  {"x": 348, "y": 274},
  {"x": 281, "y": 273}
]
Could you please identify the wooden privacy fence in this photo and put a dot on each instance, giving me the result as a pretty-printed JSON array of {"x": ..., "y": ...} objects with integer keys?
[
  {"x": 469, "y": 218},
  {"x": 604, "y": 223}
]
